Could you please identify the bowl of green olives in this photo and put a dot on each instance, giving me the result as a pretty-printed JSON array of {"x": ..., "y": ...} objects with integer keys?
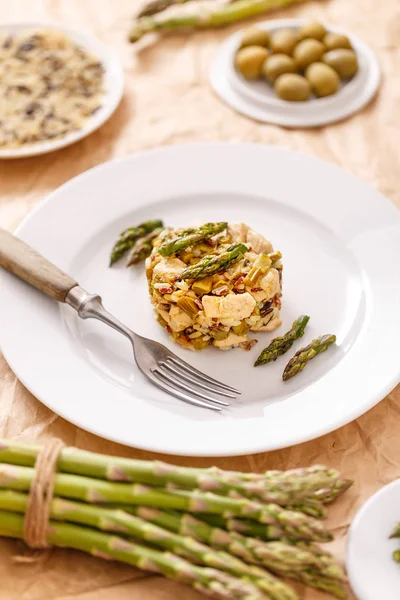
[
  {"x": 295, "y": 73},
  {"x": 300, "y": 63}
]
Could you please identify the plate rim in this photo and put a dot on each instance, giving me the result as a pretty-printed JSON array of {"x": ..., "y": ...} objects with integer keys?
[
  {"x": 246, "y": 448},
  {"x": 112, "y": 96},
  {"x": 381, "y": 492}
]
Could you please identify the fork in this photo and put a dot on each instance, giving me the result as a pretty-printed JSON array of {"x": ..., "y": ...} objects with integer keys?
[{"x": 161, "y": 366}]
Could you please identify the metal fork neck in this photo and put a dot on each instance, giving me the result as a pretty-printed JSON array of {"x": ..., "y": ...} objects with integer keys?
[{"x": 89, "y": 306}]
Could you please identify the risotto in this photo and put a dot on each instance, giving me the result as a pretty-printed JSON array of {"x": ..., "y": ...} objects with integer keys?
[{"x": 215, "y": 289}]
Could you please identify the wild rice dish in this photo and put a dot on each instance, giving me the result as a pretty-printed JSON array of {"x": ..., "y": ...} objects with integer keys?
[
  {"x": 215, "y": 284},
  {"x": 49, "y": 87}
]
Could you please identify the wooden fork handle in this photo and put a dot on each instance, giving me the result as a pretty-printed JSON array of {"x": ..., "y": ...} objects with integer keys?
[{"x": 27, "y": 264}]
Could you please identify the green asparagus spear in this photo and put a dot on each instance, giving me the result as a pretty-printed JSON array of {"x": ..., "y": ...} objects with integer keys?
[
  {"x": 210, "y": 581},
  {"x": 129, "y": 236},
  {"x": 309, "y": 506},
  {"x": 325, "y": 584},
  {"x": 295, "y": 524},
  {"x": 244, "y": 526},
  {"x": 115, "y": 520},
  {"x": 218, "y": 16},
  {"x": 205, "y": 232},
  {"x": 304, "y": 355},
  {"x": 396, "y": 532},
  {"x": 279, "y": 487},
  {"x": 330, "y": 494},
  {"x": 280, "y": 345},
  {"x": 396, "y": 556},
  {"x": 209, "y": 265},
  {"x": 143, "y": 247},
  {"x": 279, "y": 557},
  {"x": 156, "y": 6}
]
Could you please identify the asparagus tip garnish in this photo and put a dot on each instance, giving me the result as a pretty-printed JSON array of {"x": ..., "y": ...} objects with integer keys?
[
  {"x": 128, "y": 237},
  {"x": 185, "y": 239},
  {"x": 214, "y": 263},
  {"x": 282, "y": 344},
  {"x": 304, "y": 355}
]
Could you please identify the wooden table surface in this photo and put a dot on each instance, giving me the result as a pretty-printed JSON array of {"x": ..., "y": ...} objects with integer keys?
[{"x": 168, "y": 101}]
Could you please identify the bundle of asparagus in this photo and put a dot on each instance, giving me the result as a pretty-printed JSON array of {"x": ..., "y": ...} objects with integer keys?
[
  {"x": 216, "y": 15},
  {"x": 227, "y": 534}
]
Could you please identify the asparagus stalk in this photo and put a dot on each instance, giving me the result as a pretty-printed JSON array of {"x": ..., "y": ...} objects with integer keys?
[
  {"x": 396, "y": 556},
  {"x": 209, "y": 265},
  {"x": 143, "y": 247},
  {"x": 210, "y": 581},
  {"x": 313, "y": 508},
  {"x": 216, "y": 17},
  {"x": 205, "y": 232},
  {"x": 279, "y": 487},
  {"x": 396, "y": 532},
  {"x": 325, "y": 584},
  {"x": 282, "y": 344},
  {"x": 129, "y": 236},
  {"x": 295, "y": 524},
  {"x": 330, "y": 494},
  {"x": 244, "y": 526},
  {"x": 116, "y": 520},
  {"x": 155, "y": 6},
  {"x": 280, "y": 557},
  {"x": 304, "y": 355}
]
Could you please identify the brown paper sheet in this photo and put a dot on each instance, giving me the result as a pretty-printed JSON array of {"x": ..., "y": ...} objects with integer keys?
[{"x": 168, "y": 101}]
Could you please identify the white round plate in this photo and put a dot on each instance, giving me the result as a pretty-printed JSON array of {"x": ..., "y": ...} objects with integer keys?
[
  {"x": 340, "y": 241},
  {"x": 257, "y": 99},
  {"x": 113, "y": 81},
  {"x": 372, "y": 572}
]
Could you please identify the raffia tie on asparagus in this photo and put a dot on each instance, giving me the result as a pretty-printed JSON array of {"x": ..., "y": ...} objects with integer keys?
[
  {"x": 128, "y": 237},
  {"x": 212, "y": 582},
  {"x": 279, "y": 487},
  {"x": 220, "y": 16},
  {"x": 294, "y": 524}
]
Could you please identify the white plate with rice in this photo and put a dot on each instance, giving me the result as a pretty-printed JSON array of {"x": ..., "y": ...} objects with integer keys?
[
  {"x": 112, "y": 83},
  {"x": 340, "y": 241}
]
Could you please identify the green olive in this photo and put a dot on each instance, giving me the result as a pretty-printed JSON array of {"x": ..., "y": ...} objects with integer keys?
[
  {"x": 249, "y": 61},
  {"x": 278, "y": 64},
  {"x": 324, "y": 81},
  {"x": 307, "y": 52},
  {"x": 335, "y": 40},
  {"x": 283, "y": 41},
  {"x": 343, "y": 61},
  {"x": 312, "y": 30},
  {"x": 292, "y": 87},
  {"x": 255, "y": 37}
]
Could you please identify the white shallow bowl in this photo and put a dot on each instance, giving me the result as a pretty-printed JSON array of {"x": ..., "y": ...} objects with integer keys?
[
  {"x": 340, "y": 241},
  {"x": 257, "y": 99},
  {"x": 372, "y": 572},
  {"x": 113, "y": 82}
]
